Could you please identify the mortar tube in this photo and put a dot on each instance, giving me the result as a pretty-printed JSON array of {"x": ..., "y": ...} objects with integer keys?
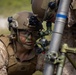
[{"x": 60, "y": 22}]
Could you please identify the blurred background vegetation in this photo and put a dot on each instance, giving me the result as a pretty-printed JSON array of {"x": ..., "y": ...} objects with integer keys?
[{"x": 9, "y": 7}]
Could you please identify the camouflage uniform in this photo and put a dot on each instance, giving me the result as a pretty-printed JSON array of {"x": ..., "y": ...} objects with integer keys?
[
  {"x": 3, "y": 59},
  {"x": 10, "y": 63}
]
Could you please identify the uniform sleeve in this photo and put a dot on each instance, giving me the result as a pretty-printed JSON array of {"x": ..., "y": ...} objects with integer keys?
[
  {"x": 40, "y": 62},
  {"x": 3, "y": 59}
]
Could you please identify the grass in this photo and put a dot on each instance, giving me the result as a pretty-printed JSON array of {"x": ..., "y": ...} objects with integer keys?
[
  {"x": 9, "y": 7},
  {"x": 4, "y": 31}
]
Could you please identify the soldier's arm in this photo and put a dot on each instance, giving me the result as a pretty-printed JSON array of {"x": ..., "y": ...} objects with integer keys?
[
  {"x": 3, "y": 59},
  {"x": 40, "y": 62}
]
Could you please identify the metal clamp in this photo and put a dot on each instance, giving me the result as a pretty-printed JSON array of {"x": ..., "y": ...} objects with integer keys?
[
  {"x": 51, "y": 57},
  {"x": 66, "y": 49}
]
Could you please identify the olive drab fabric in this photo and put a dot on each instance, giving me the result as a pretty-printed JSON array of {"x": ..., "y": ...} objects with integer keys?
[{"x": 15, "y": 67}]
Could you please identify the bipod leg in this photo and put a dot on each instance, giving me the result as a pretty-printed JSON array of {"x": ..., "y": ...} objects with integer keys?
[{"x": 61, "y": 64}]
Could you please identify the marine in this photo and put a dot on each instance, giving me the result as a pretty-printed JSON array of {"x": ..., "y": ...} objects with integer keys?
[{"x": 18, "y": 50}]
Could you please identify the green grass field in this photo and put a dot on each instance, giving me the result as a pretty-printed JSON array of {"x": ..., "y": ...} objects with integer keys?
[
  {"x": 4, "y": 31},
  {"x": 9, "y": 7}
]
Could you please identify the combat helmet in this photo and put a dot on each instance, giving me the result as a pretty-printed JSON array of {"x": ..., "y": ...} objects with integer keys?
[
  {"x": 25, "y": 20},
  {"x": 40, "y": 7}
]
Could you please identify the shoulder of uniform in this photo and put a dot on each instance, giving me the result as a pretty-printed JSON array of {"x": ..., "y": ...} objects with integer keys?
[{"x": 4, "y": 39}]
